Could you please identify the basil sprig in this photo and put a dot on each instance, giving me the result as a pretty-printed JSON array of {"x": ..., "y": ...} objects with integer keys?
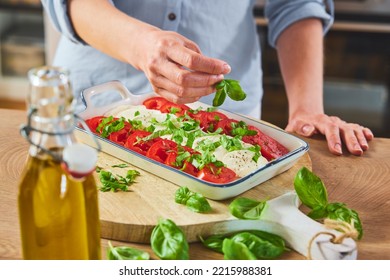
[
  {"x": 312, "y": 192},
  {"x": 125, "y": 253},
  {"x": 228, "y": 87},
  {"x": 193, "y": 200},
  {"x": 168, "y": 241},
  {"x": 247, "y": 245},
  {"x": 246, "y": 208}
]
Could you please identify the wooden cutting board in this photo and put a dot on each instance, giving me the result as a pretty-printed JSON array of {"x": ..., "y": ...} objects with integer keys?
[{"x": 131, "y": 216}]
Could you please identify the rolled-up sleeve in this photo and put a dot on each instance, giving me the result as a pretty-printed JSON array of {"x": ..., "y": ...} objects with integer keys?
[
  {"x": 282, "y": 13},
  {"x": 57, "y": 10}
]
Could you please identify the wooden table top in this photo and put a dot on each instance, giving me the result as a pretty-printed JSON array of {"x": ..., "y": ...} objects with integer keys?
[{"x": 362, "y": 183}]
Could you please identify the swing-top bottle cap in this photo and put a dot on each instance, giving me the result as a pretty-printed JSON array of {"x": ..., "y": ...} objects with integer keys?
[
  {"x": 79, "y": 160},
  {"x": 50, "y": 91}
]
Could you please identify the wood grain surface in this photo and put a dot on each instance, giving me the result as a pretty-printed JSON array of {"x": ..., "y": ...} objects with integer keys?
[
  {"x": 363, "y": 183},
  {"x": 131, "y": 216}
]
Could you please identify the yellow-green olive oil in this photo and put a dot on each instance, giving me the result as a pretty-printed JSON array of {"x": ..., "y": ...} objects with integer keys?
[{"x": 59, "y": 215}]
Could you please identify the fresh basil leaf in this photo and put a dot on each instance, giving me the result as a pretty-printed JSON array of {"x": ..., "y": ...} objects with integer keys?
[
  {"x": 234, "y": 250},
  {"x": 219, "y": 98},
  {"x": 198, "y": 203},
  {"x": 182, "y": 194},
  {"x": 194, "y": 201},
  {"x": 246, "y": 208},
  {"x": 234, "y": 90},
  {"x": 262, "y": 244},
  {"x": 214, "y": 242},
  {"x": 125, "y": 253},
  {"x": 168, "y": 241},
  {"x": 340, "y": 212},
  {"x": 318, "y": 212},
  {"x": 310, "y": 189},
  {"x": 228, "y": 87}
]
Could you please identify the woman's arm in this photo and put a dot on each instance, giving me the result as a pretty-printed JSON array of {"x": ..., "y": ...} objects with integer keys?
[
  {"x": 300, "y": 52},
  {"x": 173, "y": 64}
]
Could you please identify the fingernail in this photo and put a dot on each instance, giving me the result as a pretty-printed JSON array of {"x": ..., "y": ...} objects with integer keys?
[
  {"x": 220, "y": 77},
  {"x": 227, "y": 68},
  {"x": 306, "y": 129},
  {"x": 357, "y": 148},
  {"x": 337, "y": 147}
]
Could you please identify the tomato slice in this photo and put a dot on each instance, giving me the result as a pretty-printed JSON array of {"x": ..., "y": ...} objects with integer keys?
[
  {"x": 214, "y": 174},
  {"x": 94, "y": 122},
  {"x": 186, "y": 166},
  {"x": 177, "y": 109},
  {"x": 120, "y": 136},
  {"x": 155, "y": 103},
  {"x": 208, "y": 120},
  {"x": 270, "y": 148},
  {"x": 226, "y": 126},
  {"x": 160, "y": 150},
  {"x": 134, "y": 142}
]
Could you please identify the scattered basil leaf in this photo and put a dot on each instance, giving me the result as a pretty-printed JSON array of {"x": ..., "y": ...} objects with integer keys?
[
  {"x": 263, "y": 245},
  {"x": 260, "y": 244},
  {"x": 194, "y": 201},
  {"x": 168, "y": 241},
  {"x": 121, "y": 165},
  {"x": 228, "y": 87},
  {"x": 246, "y": 208},
  {"x": 310, "y": 189},
  {"x": 125, "y": 253},
  {"x": 214, "y": 242},
  {"x": 234, "y": 250}
]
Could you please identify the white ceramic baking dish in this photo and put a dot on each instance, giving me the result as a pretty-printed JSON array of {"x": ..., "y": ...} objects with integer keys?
[{"x": 296, "y": 146}]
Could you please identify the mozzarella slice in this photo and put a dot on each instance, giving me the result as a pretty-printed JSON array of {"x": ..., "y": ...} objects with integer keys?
[{"x": 240, "y": 161}]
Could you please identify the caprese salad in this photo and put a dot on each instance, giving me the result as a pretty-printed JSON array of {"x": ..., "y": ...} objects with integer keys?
[{"x": 204, "y": 143}]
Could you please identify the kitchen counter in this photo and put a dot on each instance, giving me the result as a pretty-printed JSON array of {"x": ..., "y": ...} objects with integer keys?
[{"x": 363, "y": 183}]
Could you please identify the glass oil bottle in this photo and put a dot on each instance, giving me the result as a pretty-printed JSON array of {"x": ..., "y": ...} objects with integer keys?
[{"x": 58, "y": 200}]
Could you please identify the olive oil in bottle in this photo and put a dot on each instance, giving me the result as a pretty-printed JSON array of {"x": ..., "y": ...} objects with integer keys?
[{"x": 58, "y": 200}]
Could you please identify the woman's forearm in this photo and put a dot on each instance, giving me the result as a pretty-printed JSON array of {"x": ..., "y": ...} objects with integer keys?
[
  {"x": 107, "y": 29},
  {"x": 300, "y": 52}
]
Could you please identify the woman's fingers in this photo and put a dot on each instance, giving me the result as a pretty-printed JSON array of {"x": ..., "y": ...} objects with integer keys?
[
  {"x": 355, "y": 137},
  {"x": 195, "y": 61},
  {"x": 178, "y": 93},
  {"x": 176, "y": 68},
  {"x": 185, "y": 78}
]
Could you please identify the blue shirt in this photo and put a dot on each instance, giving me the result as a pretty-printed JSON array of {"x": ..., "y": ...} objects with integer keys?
[{"x": 223, "y": 29}]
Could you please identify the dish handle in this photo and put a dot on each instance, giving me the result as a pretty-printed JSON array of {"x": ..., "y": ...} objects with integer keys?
[{"x": 115, "y": 86}]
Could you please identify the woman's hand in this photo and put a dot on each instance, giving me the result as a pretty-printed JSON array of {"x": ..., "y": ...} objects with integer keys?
[
  {"x": 173, "y": 64},
  {"x": 176, "y": 67},
  {"x": 354, "y": 136}
]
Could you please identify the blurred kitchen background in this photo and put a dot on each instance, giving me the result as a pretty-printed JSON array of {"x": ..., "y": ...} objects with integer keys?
[{"x": 357, "y": 60}]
